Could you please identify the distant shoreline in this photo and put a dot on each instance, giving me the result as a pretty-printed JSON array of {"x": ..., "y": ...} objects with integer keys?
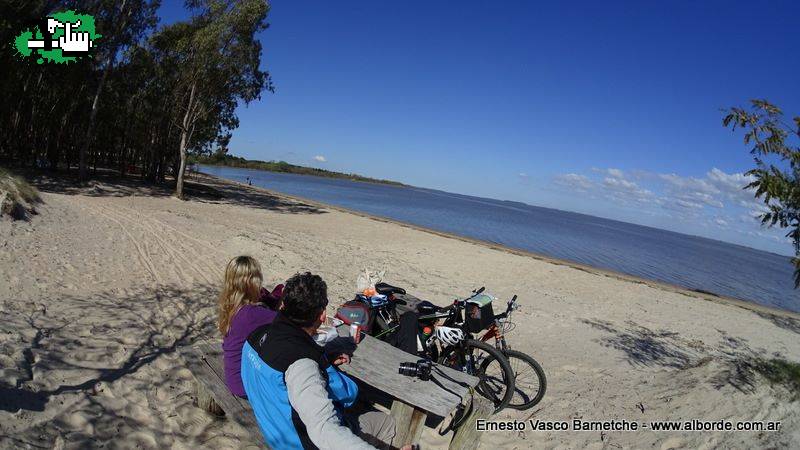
[
  {"x": 528, "y": 205},
  {"x": 695, "y": 293},
  {"x": 285, "y": 167}
]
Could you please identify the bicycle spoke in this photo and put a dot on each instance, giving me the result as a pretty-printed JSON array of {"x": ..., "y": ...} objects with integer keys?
[{"x": 528, "y": 386}]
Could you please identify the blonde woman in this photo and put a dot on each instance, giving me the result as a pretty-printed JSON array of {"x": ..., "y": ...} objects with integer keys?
[{"x": 240, "y": 313}]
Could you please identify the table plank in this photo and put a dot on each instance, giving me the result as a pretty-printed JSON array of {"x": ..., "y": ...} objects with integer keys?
[{"x": 376, "y": 363}]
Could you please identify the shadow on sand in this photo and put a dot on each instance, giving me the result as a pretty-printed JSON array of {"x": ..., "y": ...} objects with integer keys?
[
  {"x": 198, "y": 188},
  {"x": 159, "y": 334},
  {"x": 66, "y": 359},
  {"x": 736, "y": 363},
  {"x": 785, "y": 322}
]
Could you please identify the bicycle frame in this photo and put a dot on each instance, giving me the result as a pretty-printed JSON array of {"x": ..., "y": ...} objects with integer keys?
[
  {"x": 453, "y": 317},
  {"x": 496, "y": 330}
]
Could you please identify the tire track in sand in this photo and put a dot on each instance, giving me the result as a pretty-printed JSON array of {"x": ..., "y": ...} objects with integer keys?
[
  {"x": 181, "y": 256},
  {"x": 145, "y": 260},
  {"x": 155, "y": 225}
]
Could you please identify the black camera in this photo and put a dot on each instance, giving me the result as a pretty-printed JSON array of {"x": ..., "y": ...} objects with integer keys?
[{"x": 420, "y": 369}]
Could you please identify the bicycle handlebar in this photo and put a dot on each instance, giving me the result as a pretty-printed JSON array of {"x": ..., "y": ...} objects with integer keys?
[{"x": 511, "y": 304}]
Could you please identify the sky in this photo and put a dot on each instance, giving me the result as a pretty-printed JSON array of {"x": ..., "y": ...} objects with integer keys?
[{"x": 606, "y": 108}]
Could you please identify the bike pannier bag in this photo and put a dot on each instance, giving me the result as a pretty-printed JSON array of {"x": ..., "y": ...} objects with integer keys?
[
  {"x": 478, "y": 313},
  {"x": 355, "y": 311}
]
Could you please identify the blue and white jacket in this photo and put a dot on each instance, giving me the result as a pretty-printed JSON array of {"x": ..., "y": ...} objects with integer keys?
[{"x": 296, "y": 394}]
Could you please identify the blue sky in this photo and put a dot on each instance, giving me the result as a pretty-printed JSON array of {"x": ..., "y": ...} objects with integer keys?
[{"x": 605, "y": 108}]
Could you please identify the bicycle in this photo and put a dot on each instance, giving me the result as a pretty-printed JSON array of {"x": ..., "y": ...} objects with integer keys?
[
  {"x": 530, "y": 382},
  {"x": 467, "y": 354},
  {"x": 470, "y": 355}
]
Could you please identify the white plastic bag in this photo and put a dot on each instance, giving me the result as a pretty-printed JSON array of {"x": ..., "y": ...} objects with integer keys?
[{"x": 367, "y": 279}]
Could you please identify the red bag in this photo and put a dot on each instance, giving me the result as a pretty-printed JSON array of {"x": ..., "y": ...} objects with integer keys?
[{"x": 356, "y": 311}]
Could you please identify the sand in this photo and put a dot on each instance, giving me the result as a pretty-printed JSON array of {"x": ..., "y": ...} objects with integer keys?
[{"x": 100, "y": 288}]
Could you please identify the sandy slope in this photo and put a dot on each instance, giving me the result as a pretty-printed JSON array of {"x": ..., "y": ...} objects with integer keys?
[{"x": 98, "y": 290}]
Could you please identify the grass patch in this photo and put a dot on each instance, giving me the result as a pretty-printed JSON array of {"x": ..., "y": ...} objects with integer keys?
[
  {"x": 17, "y": 197},
  {"x": 781, "y": 372}
]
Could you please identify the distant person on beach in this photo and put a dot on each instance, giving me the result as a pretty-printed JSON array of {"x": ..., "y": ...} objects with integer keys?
[
  {"x": 243, "y": 306},
  {"x": 297, "y": 392}
]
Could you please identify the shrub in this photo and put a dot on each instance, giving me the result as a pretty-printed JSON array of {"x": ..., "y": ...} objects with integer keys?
[{"x": 17, "y": 197}]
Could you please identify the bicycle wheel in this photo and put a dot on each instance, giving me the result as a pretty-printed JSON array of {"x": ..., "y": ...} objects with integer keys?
[
  {"x": 488, "y": 364},
  {"x": 530, "y": 383}
]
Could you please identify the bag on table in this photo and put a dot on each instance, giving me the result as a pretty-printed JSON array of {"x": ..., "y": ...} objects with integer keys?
[{"x": 356, "y": 311}]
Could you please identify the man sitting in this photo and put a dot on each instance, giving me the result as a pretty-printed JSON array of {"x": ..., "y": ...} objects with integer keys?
[{"x": 297, "y": 393}]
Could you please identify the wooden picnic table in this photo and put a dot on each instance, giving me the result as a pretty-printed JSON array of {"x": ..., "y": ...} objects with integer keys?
[{"x": 375, "y": 364}]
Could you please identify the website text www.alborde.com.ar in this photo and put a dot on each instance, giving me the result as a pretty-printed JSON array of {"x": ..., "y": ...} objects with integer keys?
[{"x": 627, "y": 425}]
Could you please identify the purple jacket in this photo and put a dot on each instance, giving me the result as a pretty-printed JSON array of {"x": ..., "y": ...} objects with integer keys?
[{"x": 244, "y": 322}]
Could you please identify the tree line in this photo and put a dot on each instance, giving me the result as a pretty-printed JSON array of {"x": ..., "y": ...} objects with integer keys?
[
  {"x": 220, "y": 157},
  {"x": 149, "y": 96}
]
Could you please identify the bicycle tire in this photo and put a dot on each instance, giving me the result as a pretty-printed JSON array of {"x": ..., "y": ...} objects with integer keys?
[
  {"x": 521, "y": 400},
  {"x": 484, "y": 387}
]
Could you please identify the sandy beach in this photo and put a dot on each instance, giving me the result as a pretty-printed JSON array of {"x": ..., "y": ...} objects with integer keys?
[{"x": 101, "y": 287}]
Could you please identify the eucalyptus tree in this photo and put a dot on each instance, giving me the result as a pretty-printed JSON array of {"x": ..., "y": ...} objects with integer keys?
[
  {"x": 144, "y": 99},
  {"x": 776, "y": 177},
  {"x": 122, "y": 23},
  {"x": 216, "y": 59},
  {"x": 50, "y": 113}
]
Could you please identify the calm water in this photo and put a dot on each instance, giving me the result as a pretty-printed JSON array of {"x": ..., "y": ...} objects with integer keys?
[{"x": 688, "y": 261}]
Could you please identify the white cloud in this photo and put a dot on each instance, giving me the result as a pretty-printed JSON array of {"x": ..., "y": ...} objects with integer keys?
[
  {"x": 690, "y": 191},
  {"x": 716, "y": 201},
  {"x": 320, "y": 158},
  {"x": 616, "y": 173},
  {"x": 611, "y": 172},
  {"x": 618, "y": 183},
  {"x": 688, "y": 204},
  {"x": 732, "y": 181},
  {"x": 732, "y": 187},
  {"x": 689, "y": 183},
  {"x": 624, "y": 191},
  {"x": 670, "y": 191},
  {"x": 574, "y": 181}
]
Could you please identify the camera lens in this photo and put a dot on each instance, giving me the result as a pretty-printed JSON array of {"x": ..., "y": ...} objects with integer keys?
[{"x": 408, "y": 369}]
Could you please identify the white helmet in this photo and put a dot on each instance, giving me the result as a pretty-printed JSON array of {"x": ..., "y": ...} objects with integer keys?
[{"x": 449, "y": 336}]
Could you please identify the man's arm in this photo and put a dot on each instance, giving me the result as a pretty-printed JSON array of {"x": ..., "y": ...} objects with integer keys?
[{"x": 309, "y": 397}]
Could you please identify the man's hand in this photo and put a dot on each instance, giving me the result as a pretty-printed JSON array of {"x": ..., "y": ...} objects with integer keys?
[
  {"x": 344, "y": 358},
  {"x": 338, "y": 347},
  {"x": 78, "y": 41}
]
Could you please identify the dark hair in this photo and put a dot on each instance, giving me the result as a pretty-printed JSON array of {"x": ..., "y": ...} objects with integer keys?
[{"x": 305, "y": 296}]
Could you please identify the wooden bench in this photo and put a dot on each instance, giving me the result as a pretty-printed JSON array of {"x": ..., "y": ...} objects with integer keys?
[{"x": 374, "y": 364}]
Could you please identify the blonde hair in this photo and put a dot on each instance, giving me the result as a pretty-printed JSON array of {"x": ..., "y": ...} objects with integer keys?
[{"x": 242, "y": 287}]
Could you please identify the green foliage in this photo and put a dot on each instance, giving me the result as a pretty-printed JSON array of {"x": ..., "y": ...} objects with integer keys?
[
  {"x": 17, "y": 197},
  {"x": 777, "y": 172},
  {"x": 781, "y": 372},
  {"x": 215, "y": 60},
  {"x": 12, "y": 183},
  {"x": 219, "y": 158},
  {"x": 130, "y": 107}
]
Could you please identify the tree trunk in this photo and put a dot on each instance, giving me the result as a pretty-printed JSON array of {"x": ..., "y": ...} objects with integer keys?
[
  {"x": 93, "y": 114},
  {"x": 182, "y": 168},
  {"x": 92, "y": 118},
  {"x": 185, "y": 135}
]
